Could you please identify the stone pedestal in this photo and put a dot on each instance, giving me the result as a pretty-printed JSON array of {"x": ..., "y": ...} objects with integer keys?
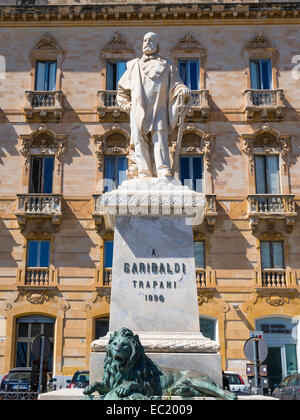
[{"x": 154, "y": 289}]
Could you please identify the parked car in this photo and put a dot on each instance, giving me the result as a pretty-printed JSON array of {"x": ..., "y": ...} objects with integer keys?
[
  {"x": 234, "y": 382},
  {"x": 289, "y": 388},
  {"x": 17, "y": 379},
  {"x": 80, "y": 379}
]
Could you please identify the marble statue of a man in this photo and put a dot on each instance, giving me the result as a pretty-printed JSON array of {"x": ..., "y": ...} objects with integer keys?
[{"x": 150, "y": 90}]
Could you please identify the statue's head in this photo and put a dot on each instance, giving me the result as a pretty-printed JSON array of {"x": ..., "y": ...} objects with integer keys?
[
  {"x": 150, "y": 43},
  {"x": 123, "y": 349}
]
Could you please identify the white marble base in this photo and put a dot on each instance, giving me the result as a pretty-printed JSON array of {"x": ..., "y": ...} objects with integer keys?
[{"x": 154, "y": 282}]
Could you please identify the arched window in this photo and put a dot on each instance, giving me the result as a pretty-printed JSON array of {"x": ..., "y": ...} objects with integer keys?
[{"x": 28, "y": 327}]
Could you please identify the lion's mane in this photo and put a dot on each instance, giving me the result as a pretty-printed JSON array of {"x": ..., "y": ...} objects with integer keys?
[{"x": 139, "y": 368}]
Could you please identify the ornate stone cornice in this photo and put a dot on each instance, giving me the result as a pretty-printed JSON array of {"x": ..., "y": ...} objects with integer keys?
[{"x": 142, "y": 11}]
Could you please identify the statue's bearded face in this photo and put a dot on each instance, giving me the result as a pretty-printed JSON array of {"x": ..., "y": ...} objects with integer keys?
[{"x": 150, "y": 44}]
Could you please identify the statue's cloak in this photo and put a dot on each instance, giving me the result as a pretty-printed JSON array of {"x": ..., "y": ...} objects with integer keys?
[{"x": 152, "y": 86}]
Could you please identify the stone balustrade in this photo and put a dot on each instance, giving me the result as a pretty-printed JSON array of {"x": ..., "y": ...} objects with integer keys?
[
  {"x": 272, "y": 207},
  {"x": 210, "y": 211},
  {"x": 39, "y": 205},
  {"x": 107, "y": 277},
  {"x": 271, "y": 204},
  {"x": 107, "y": 98},
  {"x": 199, "y": 98},
  {"x": 273, "y": 278},
  {"x": 205, "y": 279},
  {"x": 265, "y": 102},
  {"x": 201, "y": 277},
  {"x": 210, "y": 204},
  {"x": 276, "y": 278},
  {"x": 43, "y": 105},
  {"x": 37, "y": 277}
]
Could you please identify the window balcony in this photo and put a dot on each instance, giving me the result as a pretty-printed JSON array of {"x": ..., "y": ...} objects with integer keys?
[
  {"x": 205, "y": 279},
  {"x": 107, "y": 107},
  {"x": 104, "y": 277},
  {"x": 264, "y": 104},
  {"x": 199, "y": 106},
  {"x": 272, "y": 207},
  {"x": 37, "y": 278},
  {"x": 44, "y": 106},
  {"x": 39, "y": 206},
  {"x": 276, "y": 278}
]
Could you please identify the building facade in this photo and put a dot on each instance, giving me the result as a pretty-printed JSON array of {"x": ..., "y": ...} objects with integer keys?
[{"x": 64, "y": 141}]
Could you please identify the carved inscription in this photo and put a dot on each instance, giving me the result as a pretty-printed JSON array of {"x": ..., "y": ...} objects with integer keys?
[{"x": 168, "y": 278}]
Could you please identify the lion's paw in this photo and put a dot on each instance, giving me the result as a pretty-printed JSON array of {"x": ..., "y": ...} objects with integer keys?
[
  {"x": 122, "y": 390},
  {"x": 88, "y": 390}
]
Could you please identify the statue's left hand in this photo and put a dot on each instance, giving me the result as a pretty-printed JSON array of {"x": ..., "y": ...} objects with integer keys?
[{"x": 186, "y": 93}]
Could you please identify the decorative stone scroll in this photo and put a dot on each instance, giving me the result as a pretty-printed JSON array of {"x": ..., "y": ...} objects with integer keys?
[
  {"x": 267, "y": 140},
  {"x": 117, "y": 45},
  {"x": 197, "y": 142},
  {"x": 43, "y": 142},
  {"x": 259, "y": 42},
  {"x": 113, "y": 142},
  {"x": 188, "y": 44},
  {"x": 47, "y": 42}
]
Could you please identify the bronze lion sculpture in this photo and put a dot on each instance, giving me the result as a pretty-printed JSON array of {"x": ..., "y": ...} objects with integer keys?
[{"x": 130, "y": 374}]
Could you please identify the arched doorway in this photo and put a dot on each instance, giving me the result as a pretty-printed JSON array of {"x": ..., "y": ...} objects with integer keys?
[
  {"x": 281, "y": 336},
  {"x": 28, "y": 327}
]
